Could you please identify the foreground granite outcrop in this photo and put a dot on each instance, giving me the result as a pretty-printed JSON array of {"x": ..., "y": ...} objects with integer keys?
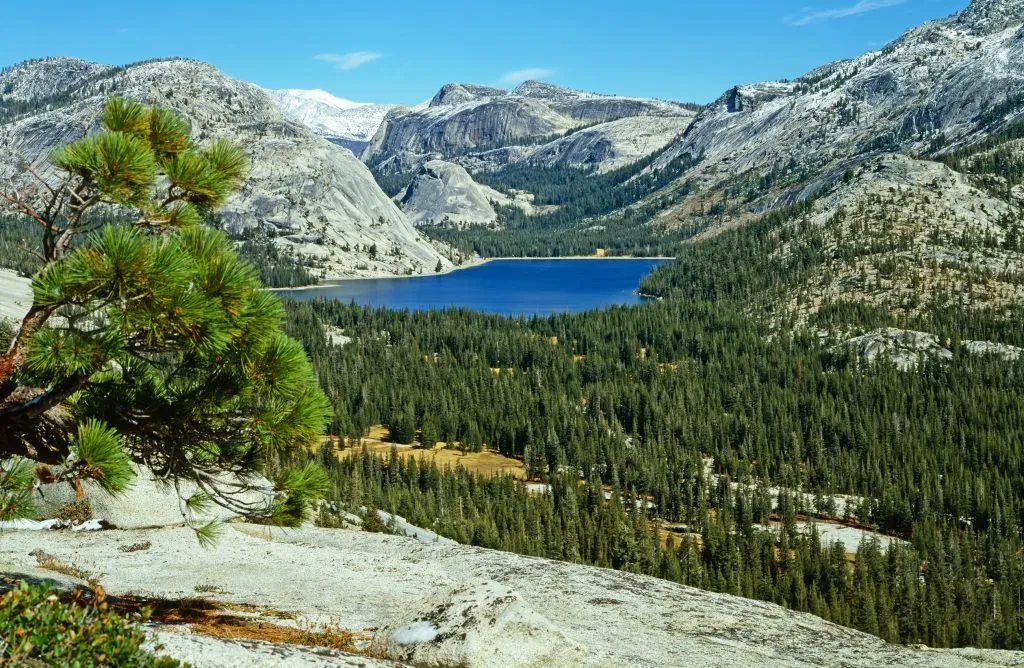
[{"x": 442, "y": 605}]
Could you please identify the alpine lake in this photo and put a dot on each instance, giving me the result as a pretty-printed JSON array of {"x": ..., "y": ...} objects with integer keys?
[{"x": 528, "y": 287}]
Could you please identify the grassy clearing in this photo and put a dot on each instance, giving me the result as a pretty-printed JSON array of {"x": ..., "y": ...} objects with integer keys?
[{"x": 486, "y": 462}]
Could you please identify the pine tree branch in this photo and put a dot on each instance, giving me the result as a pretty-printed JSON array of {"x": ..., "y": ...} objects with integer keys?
[
  {"x": 15, "y": 355},
  {"x": 23, "y": 207},
  {"x": 45, "y": 438},
  {"x": 31, "y": 170},
  {"x": 45, "y": 400},
  {"x": 58, "y": 199},
  {"x": 28, "y": 250}
]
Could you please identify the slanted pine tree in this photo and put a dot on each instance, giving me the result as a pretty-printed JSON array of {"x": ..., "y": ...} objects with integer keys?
[{"x": 150, "y": 341}]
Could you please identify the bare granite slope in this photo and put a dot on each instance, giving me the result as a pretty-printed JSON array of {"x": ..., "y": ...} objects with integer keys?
[
  {"x": 466, "y": 118},
  {"x": 442, "y": 605},
  {"x": 939, "y": 86},
  {"x": 316, "y": 198},
  {"x": 44, "y": 77},
  {"x": 444, "y": 193}
]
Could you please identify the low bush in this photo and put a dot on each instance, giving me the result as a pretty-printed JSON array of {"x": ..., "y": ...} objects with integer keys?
[{"x": 40, "y": 628}]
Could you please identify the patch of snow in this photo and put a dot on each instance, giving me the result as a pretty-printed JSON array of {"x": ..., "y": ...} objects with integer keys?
[
  {"x": 50, "y": 525},
  {"x": 331, "y": 116},
  {"x": 415, "y": 633}
]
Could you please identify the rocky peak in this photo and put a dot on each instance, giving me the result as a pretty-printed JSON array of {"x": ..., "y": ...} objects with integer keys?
[
  {"x": 454, "y": 93},
  {"x": 984, "y": 17},
  {"x": 543, "y": 91},
  {"x": 34, "y": 79}
]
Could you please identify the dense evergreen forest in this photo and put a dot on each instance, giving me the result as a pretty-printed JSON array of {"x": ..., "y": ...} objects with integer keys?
[
  {"x": 698, "y": 437},
  {"x": 277, "y": 269},
  {"x": 19, "y": 244},
  {"x": 638, "y": 399}
]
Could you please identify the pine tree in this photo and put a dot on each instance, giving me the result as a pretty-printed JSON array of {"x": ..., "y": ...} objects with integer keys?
[
  {"x": 401, "y": 429},
  {"x": 150, "y": 341}
]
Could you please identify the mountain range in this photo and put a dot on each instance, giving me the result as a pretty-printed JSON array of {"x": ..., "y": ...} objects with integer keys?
[
  {"x": 312, "y": 199},
  {"x": 876, "y": 132}
]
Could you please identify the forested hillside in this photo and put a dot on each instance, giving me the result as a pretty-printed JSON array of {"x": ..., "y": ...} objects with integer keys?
[
  {"x": 585, "y": 211},
  {"x": 695, "y": 437},
  {"x": 637, "y": 401}
]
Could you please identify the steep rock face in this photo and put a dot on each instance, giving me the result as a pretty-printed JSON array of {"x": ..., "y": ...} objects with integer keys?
[
  {"x": 320, "y": 201},
  {"x": 611, "y": 145},
  {"x": 496, "y": 158},
  {"x": 454, "y": 94},
  {"x": 34, "y": 79},
  {"x": 471, "y": 124},
  {"x": 594, "y": 107},
  {"x": 462, "y": 118},
  {"x": 445, "y": 193},
  {"x": 404, "y": 162}
]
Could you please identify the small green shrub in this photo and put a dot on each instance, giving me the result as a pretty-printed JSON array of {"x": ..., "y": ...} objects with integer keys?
[
  {"x": 373, "y": 523},
  {"x": 75, "y": 511},
  {"x": 37, "y": 627}
]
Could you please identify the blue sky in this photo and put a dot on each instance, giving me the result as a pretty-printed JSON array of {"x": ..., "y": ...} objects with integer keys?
[{"x": 403, "y": 51}]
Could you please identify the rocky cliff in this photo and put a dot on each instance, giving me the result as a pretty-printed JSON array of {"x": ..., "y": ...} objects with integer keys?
[
  {"x": 317, "y": 199},
  {"x": 466, "y": 118},
  {"x": 443, "y": 193},
  {"x": 471, "y": 123},
  {"x": 481, "y": 128},
  {"x": 608, "y": 146}
]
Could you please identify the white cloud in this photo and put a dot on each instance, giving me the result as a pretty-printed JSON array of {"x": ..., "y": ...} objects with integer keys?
[
  {"x": 349, "y": 61},
  {"x": 861, "y": 7},
  {"x": 519, "y": 76}
]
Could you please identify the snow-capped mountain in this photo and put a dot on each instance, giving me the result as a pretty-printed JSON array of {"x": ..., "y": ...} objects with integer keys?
[{"x": 331, "y": 116}]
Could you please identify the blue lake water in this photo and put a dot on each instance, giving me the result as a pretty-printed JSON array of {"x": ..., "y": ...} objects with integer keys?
[{"x": 508, "y": 287}]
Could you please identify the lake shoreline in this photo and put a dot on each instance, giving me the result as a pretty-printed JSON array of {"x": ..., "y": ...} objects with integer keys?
[
  {"x": 512, "y": 287},
  {"x": 468, "y": 264}
]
